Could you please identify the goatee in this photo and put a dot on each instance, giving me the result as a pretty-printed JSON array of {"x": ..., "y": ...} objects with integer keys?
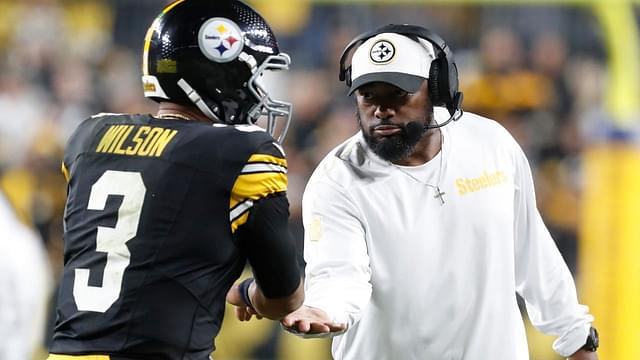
[{"x": 398, "y": 146}]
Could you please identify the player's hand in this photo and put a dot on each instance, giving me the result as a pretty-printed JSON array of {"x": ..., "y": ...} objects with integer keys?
[
  {"x": 311, "y": 322},
  {"x": 242, "y": 311},
  {"x": 584, "y": 355}
]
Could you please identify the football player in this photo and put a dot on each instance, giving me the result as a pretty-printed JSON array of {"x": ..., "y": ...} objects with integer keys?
[{"x": 163, "y": 211}]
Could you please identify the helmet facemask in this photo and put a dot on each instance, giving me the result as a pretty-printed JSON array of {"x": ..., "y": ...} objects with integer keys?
[
  {"x": 229, "y": 109},
  {"x": 273, "y": 110}
]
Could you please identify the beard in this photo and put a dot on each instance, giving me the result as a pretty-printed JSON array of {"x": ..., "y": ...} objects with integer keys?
[{"x": 398, "y": 146}]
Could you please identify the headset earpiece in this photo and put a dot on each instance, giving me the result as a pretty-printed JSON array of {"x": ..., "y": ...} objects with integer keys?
[
  {"x": 347, "y": 76},
  {"x": 434, "y": 83},
  {"x": 443, "y": 73}
]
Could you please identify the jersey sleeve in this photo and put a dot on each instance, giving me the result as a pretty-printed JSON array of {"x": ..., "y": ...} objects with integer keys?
[
  {"x": 542, "y": 277},
  {"x": 338, "y": 272},
  {"x": 259, "y": 214},
  {"x": 263, "y": 175},
  {"x": 79, "y": 142},
  {"x": 271, "y": 251}
]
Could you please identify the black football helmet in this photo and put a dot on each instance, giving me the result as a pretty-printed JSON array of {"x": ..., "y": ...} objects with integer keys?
[{"x": 213, "y": 54}]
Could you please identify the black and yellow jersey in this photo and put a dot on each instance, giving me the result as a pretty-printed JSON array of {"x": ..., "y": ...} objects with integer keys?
[{"x": 154, "y": 233}]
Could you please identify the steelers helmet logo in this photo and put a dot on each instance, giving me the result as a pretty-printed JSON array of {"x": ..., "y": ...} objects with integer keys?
[
  {"x": 220, "y": 40},
  {"x": 382, "y": 52}
]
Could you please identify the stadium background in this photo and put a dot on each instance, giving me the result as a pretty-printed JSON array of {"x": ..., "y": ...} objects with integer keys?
[{"x": 562, "y": 76}]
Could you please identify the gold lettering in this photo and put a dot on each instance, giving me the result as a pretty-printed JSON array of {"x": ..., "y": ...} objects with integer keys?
[
  {"x": 138, "y": 139},
  {"x": 162, "y": 141},
  {"x": 461, "y": 188},
  {"x": 119, "y": 150},
  {"x": 149, "y": 87},
  {"x": 484, "y": 180},
  {"x": 107, "y": 138},
  {"x": 467, "y": 183},
  {"x": 114, "y": 144},
  {"x": 475, "y": 184},
  {"x": 148, "y": 143}
]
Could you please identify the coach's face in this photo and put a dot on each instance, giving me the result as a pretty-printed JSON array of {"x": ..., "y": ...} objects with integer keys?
[{"x": 392, "y": 120}]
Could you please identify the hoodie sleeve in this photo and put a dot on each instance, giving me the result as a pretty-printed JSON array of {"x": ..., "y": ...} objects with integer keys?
[
  {"x": 542, "y": 277},
  {"x": 337, "y": 272}
]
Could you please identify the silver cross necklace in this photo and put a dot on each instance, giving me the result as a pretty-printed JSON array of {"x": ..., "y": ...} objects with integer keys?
[{"x": 439, "y": 193}]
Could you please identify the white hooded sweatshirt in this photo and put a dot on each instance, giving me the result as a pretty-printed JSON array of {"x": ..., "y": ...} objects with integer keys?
[
  {"x": 25, "y": 284},
  {"x": 415, "y": 278}
]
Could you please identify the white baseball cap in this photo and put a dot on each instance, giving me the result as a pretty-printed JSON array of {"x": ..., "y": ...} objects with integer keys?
[{"x": 392, "y": 58}]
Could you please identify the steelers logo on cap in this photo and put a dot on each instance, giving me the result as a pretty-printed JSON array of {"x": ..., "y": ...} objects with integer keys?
[
  {"x": 382, "y": 52},
  {"x": 220, "y": 40}
]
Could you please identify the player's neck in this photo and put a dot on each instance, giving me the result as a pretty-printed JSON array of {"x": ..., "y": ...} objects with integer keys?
[
  {"x": 181, "y": 112},
  {"x": 426, "y": 149}
]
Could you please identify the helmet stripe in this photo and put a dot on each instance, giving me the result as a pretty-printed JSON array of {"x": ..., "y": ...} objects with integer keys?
[
  {"x": 147, "y": 45},
  {"x": 147, "y": 38},
  {"x": 171, "y": 6}
]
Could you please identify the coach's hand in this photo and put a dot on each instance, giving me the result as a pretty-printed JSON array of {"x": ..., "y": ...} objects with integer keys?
[
  {"x": 584, "y": 355},
  {"x": 309, "y": 321}
]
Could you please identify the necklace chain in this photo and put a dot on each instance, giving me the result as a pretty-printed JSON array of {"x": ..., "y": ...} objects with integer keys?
[
  {"x": 172, "y": 116},
  {"x": 436, "y": 187}
]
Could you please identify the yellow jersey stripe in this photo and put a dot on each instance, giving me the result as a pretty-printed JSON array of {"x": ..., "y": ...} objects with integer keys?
[
  {"x": 235, "y": 224},
  {"x": 65, "y": 172},
  {"x": 262, "y": 175},
  {"x": 78, "y": 357},
  {"x": 257, "y": 186},
  {"x": 251, "y": 187},
  {"x": 265, "y": 158}
]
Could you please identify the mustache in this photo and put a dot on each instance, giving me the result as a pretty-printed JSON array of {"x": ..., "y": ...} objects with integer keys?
[
  {"x": 385, "y": 122},
  {"x": 410, "y": 127},
  {"x": 414, "y": 126}
]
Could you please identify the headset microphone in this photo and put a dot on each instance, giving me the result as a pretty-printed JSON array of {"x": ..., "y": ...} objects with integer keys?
[
  {"x": 454, "y": 117},
  {"x": 442, "y": 70}
]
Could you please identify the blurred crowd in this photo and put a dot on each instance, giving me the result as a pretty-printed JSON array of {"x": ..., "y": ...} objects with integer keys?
[{"x": 536, "y": 70}]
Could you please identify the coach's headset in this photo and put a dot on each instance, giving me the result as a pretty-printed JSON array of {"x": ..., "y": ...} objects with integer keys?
[{"x": 443, "y": 72}]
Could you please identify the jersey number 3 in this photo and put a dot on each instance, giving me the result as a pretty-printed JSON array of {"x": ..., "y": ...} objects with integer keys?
[{"x": 111, "y": 240}]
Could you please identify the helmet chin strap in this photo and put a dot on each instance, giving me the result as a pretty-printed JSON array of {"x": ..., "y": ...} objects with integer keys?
[{"x": 197, "y": 100}]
